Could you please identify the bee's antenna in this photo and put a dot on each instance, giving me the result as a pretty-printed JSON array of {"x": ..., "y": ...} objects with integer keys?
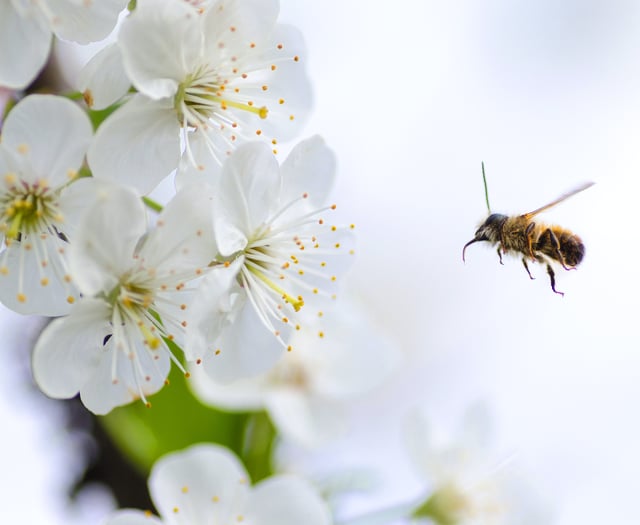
[{"x": 486, "y": 191}]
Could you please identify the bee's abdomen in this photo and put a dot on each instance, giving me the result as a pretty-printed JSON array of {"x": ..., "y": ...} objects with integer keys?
[{"x": 568, "y": 245}]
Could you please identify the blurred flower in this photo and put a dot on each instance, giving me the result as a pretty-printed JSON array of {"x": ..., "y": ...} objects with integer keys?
[
  {"x": 467, "y": 488},
  {"x": 114, "y": 345},
  {"x": 206, "y": 484},
  {"x": 26, "y": 28},
  {"x": 44, "y": 140},
  {"x": 337, "y": 357},
  {"x": 276, "y": 256},
  {"x": 224, "y": 72}
]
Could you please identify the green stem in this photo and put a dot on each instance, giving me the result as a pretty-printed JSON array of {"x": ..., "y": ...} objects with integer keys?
[{"x": 259, "y": 438}]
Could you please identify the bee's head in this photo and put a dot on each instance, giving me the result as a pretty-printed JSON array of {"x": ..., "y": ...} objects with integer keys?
[{"x": 489, "y": 230}]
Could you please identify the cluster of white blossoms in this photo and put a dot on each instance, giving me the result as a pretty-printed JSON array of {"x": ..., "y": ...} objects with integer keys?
[
  {"x": 233, "y": 279},
  {"x": 242, "y": 257}
]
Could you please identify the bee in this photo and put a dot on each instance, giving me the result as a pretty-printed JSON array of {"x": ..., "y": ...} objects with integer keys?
[{"x": 535, "y": 241}]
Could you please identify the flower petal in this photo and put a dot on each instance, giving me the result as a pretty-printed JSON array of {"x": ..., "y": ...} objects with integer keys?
[
  {"x": 241, "y": 395},
  {"x": 142, "y": 372},
  {"x": 69, "y": 349},
  {"x": 28, "y": 286},
  {"x": 25, "y": 42},
  {"x": 160, "y": 42},
  {"x": 286, "y": 500},
  {"x": 304, "y": 417},
  {"x": 103, "y": 246},
  {"x": 132, "y": 517},
  {"x": 225, "y": 332},
  {"x": 84, "y": 22},
  {"x": 182, "y": 241},
  {"x": 247, "y": 194},
  {"x": 138, "y": 144},
  {"x": 309, "y": 168},
  {"x": 234, "y": 25},
  {"x": 103, "y": 79},
  {"x": 52, "y": 132},
  {"x": 200, "y": 482}
]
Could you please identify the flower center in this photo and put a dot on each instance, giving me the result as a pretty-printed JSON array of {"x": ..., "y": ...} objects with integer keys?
[
  {"x": 203, "y": 95},
  {"x": 132, "y": 304},
  {"x": 27, "y": 209}
]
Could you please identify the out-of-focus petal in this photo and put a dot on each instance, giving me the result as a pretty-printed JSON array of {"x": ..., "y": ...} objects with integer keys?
[
  {"x": 132, "y": 517},
  {"x": 286, "y": 500},
  {"x": 25, "y": 42},
  {"x": 52, "y": 132},
  {"x": 201, "y": 481},
  {"x": 84, "y": 22}
]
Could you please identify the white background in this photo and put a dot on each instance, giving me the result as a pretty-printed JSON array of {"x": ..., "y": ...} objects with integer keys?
[{"x": 412, "y": 96}]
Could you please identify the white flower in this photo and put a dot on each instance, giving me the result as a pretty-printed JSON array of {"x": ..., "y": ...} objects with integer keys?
[
  {"x": 467, "y": 486},
  {"x": 206, "y": 485},
  {"x": 26, "y": 28},
  {"x": 278, "y": 257},
  {"x": 224, "y": 72},
  {"x": 112, "y": 348},
  {"x": 44, "y": 140},
  {"x": 337, "y": 358}
]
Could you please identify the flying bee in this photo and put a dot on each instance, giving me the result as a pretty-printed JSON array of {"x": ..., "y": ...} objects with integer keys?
[{"x": 535, "y": 241}]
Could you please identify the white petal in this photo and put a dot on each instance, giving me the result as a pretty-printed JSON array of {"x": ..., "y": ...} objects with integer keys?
[
  {"x": 144, "y": 371},
  {"x": 241, "y": 395},
  {"x": 132, "y": 517},
  {"x": 248, "y": 192},
  {"x": 286, "y": 500},
  {"x": 222, "y": 318},
  {"x": 288, "y": 83},
  {"x": 24, "y": 46},
  {"x": 52, "y": 132},
  {"x": 160, "y": 42},
  {"x": 303, "y": 417},
  {"x": 252, "y": 22},
  {"x": 309, "y": 168},
  {"x": 103, "y": 79},
  {"x": 351, "y": 358},
  {"x": 201, "y": 482},
  {"x": 70, "y": 349},
  {"x": 138, "y": 145},
  {"x": 43, "y": 289},
  {"x": 84, "y": 22},
  {"x": 103, "y": 246},
  {"x": 183, "y": 238}
]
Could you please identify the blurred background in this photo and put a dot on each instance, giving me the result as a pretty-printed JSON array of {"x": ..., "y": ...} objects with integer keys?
[{"x": 412, "y": 96}]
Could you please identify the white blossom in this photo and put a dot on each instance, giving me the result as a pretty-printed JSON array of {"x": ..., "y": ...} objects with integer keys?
[
  {"x": 113, "y": 346},
  {"x": 224, "y": 72},
  {"x": 44, "y": 140},
  {"x": 206, "y": 484},
  {"x": 26, "y": 29},
  {"x": 278, "y": 259},
  {"x": 337, "y": 358},
  {"x": 468, "y": 485}
]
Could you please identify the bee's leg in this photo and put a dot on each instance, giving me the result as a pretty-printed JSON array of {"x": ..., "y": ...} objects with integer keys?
[
  {"x": 555, "y": 244},
  {"x": 500, "y": 253},
  {"x": 552, "y": 277},
  {"x": 528, "y": 232},
  {"x": 526, "y": 267}
]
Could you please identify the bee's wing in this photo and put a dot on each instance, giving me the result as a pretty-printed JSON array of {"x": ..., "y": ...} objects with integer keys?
[{"x": 559, "y": 200}]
